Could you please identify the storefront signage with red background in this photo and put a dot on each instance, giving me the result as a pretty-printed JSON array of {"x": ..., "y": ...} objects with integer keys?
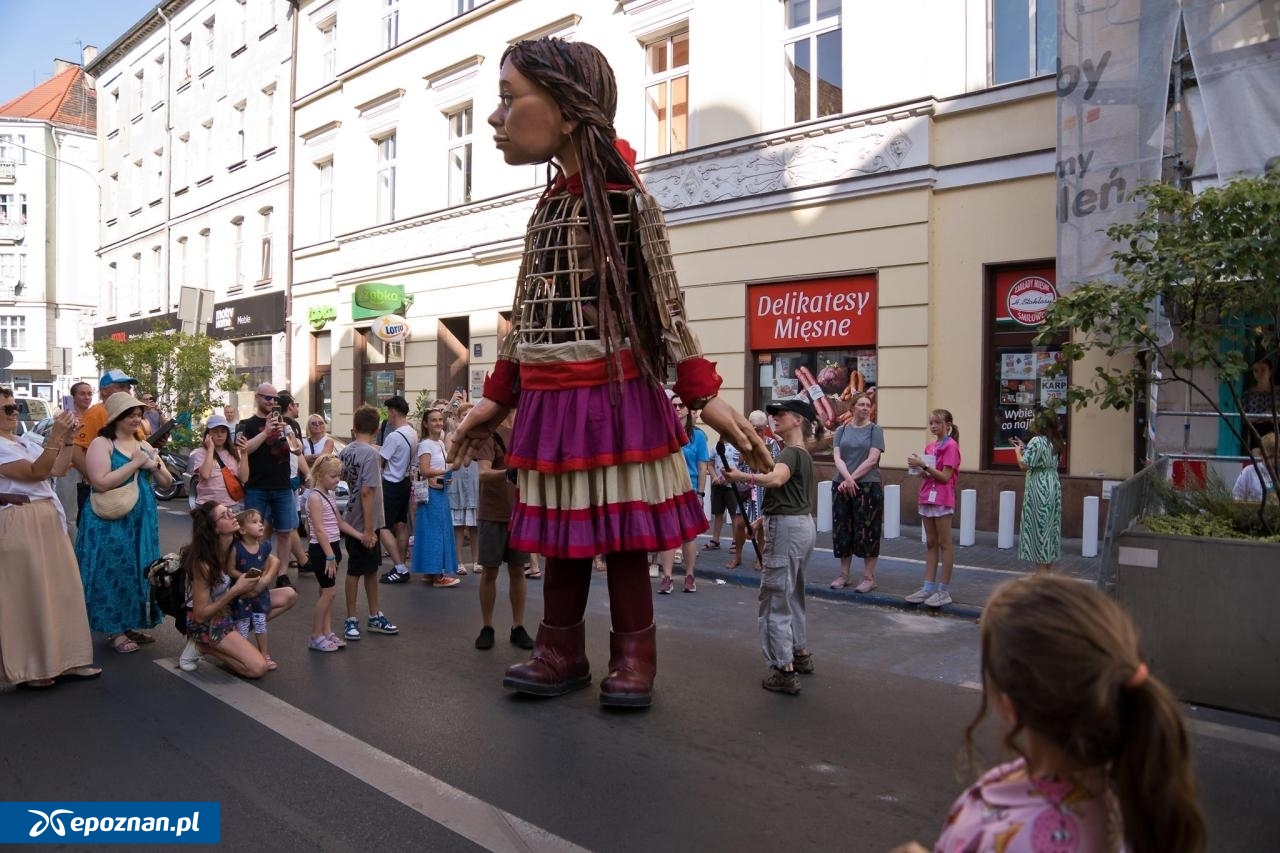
[
  {"x": 1023, "y": 299},
  {"x": 825, "y": 312}
]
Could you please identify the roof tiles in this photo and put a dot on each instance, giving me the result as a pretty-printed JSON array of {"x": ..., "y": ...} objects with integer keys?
[{"x": 65, "y": 99}]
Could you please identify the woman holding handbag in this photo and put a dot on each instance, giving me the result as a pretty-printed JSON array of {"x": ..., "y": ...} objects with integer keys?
[
  {"x": 220, "y": 469},
  {"x": 857, "y": 497},
  {"x": 120, "y": 533}
]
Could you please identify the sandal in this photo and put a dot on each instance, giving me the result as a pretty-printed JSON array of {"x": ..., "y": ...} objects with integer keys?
[
  {"x": 735, "y": 562},
  {"x": 81, "y": 672},
  {"x": 122, "y": 644},
  {"x": 462, "y": 570},
  {"x": 271, "y": 665},
  {"x": 533, "y": 574},
  {"x": 840, "y": 582},
  {"x": 867, "y": 585},
  {"x": 37, "y": 683},
  {"x": 713, "y": 545},
  {"x": 142, "y": 638}
]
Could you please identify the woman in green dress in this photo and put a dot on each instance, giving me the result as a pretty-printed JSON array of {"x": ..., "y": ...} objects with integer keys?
[{"x": 1040, "y": 536}]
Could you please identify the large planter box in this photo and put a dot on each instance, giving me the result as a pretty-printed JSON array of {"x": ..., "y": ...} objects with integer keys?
[{"x": 1203, "y": 609}]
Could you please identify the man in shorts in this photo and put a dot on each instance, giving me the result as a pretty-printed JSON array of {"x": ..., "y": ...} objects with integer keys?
[
  {"x": 493, "y": 515},
  {"x": 399, "y": 447},
  {"x": 268, "y": 489},
  {"x": 361, "y": 469}
]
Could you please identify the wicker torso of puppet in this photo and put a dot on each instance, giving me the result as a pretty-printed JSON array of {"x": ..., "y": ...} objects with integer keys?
[{"x": 555, "y": 313}]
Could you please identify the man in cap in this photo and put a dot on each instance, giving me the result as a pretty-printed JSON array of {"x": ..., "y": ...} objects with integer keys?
[{"x": 94, "y": 419}]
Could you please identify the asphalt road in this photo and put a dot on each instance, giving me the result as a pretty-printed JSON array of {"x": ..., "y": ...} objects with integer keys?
[{"x": 410, "y": 743}]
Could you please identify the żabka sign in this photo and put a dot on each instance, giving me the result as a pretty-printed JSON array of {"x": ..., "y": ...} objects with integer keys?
[{"x": 826, "y": 312}]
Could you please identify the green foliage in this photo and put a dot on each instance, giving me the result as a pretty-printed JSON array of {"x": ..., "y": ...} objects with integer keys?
[
  {"x": 1212, "y": 261},
  {"x": 181, "y": 370},
  {"x": 1206, "y": 509}
]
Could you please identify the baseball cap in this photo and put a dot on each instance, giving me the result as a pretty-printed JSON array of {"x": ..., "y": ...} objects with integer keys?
[
  {"x": 216, "y": 421},
  {"x": 115, "y": 376},
  {"x": 800, "y": 407}
]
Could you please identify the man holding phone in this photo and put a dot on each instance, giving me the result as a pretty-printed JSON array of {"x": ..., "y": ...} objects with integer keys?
[{"x": 268, "y": 489}]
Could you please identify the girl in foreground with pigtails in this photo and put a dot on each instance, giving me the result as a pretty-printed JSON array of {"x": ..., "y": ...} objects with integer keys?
[{"x": 1104, "y": 762}]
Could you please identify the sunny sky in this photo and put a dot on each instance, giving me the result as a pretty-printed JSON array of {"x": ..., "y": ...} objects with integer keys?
[{"x": 35, "y": 32}]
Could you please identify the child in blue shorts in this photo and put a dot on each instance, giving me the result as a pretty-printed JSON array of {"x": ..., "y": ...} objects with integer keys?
[{"x": 251, "y": 553}]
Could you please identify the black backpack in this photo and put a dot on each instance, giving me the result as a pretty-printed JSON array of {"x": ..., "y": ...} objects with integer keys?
[{"x": 168, "y": 580}]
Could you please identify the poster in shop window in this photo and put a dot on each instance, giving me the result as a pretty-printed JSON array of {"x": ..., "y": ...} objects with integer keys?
[{"x": 1023, "y": 385}]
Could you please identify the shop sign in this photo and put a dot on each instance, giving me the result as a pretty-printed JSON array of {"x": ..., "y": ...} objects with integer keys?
[
  {"x": 253, "y": 316},
  {"x": 374, "y": 299},
  {"x": 1030, "y": 299},
  {"x": 133, "y": 328},
  {"x": 390, "y": 328},
  {"x": 318, "y": 318},
  {"x": 831, "y": 312}
]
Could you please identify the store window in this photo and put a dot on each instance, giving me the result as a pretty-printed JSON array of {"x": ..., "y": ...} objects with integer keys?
[
  {"x": 322, "y": 375},
  {"x": 825, "y": 326},
  {"x": 253, "y": 361},
  {"x": 1018, "y": 369},
  {"x": 380, "y": 368}
]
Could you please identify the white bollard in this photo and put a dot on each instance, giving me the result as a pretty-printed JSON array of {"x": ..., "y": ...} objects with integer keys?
[
  {"x": 824, "y": 507},
  {"x": 1008, "y": 511},
  {"x": 1089, "y": 530},
  {"x": 892, "y": 512},
  {"x": 968, "y": 517}
]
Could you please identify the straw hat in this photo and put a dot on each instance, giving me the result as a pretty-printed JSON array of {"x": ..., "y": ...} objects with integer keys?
[{"x": 121, "y": 402}]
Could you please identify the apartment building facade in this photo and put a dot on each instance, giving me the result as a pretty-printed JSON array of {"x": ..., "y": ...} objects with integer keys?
[
  {"x": 193, "y": 117},
  {"x": 48, "y": 217},
  {"x": 849, "y": 188}
]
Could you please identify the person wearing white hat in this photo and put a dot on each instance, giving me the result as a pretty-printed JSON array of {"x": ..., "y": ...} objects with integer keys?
[
  {"x": 113, "y": 552},
  {"x": 216, "y": 454}
]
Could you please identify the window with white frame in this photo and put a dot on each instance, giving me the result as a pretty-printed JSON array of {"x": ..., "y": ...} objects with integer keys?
[
  {"x": 460, "y": 131},
  {"x": 387, "y": 178},
  {"x": 329, "y": 50},
  {"x": 324, "y": 222},
  {"x": 155, "y": 178},
  {"x": 667, "y": 95},
  {"x": 136, "y": 271},
  {"x": 1024, "y": 39},
  {"x": 139, "y": 91},
  {"x": 156, "y": 281},
  {"x": 390, "y": 24},
  {"x": 13, "y": 148},
  {"x": 242, "y": 25},
  {"x": 461, "y": 7},
  {"x": 237, "y": 253},
  {"x": 264, "y": 271},
  {"x": 162, "y": 81},
  {"x": 182, "y": 161},
  {"x": 268, "y": 116},
  {"x": 238, "y": 140},
  {"x": 13, "y": 331},
  {"x": 814, "y": 59},
  {"x": 204, "y": 258},
  {"x": 113, "y": 195},
  {"x": 184, "y": 58},
  {"x": 182, "y": 262},
  {"x": 209, "y": 42},
  {"x": 113, "y": 112},
  {"x": 109, "y": 291},
  {"x": 13, "y": 208},
  {"x": 204, "y": 154},
  {"x": 13, "y": 269},
  {"x": 140, "y": 186}
]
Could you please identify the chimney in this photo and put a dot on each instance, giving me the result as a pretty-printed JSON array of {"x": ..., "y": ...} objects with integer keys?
[
  {"x": 60, "y": 65},
  {"x": 89, "y": 54}
]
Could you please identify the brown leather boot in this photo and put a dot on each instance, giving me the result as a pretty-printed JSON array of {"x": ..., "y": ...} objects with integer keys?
[
  {"x": 557, "y": 666},
  {"x": 633, "y": 663}
]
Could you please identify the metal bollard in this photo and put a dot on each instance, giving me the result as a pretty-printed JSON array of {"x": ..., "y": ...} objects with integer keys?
[
  {"x": 968, "y": 517},
  {"x": 1008, "y": 512},
  {"x": 824, "y": 507},
  {"x": 1089, "y": 530},
  {"x": 892, "y": 512}
]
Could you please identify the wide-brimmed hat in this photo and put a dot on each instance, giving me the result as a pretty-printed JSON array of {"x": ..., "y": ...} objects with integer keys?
[
  {"x": 115, "y": 376},
  {"x": 121, "y": 402},
  {"x": 216, "y": 421},
  {"x": 800, "y": 407}
]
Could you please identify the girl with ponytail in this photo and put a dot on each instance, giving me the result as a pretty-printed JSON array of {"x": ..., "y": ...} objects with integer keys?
[
  {"x": 1104, "y": 762},
  {"x": 597, "y": 321}
]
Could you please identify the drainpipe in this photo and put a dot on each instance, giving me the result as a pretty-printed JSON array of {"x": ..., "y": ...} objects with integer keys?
[
  {"x": 170, "y": 303},
  {"x": 288, "y": 269}
]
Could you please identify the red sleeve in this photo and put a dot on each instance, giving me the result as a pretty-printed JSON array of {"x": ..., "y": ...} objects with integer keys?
[
  {"x": 697, "y": 381},
  {"x": 503, "y": 384}
]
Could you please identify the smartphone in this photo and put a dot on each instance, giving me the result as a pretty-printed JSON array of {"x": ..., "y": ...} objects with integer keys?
[
  {"x": 253, "y": 573},
  {"x": 275, "y": 410},
  {"x": 67, "y": 403}
]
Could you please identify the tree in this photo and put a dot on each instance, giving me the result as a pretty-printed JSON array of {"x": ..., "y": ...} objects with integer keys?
[
  {"x": 181, "y": 370},
  {"x": 1202, "y": 301}
]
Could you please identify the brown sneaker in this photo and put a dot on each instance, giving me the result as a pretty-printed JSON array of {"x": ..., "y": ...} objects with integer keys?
[
  {"x": 781, "y": 681},
  {"x": 803, "y": 663}
]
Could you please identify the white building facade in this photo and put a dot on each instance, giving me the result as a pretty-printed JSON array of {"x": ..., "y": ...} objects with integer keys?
[
  {"x": 193, "y": 107},
  {"x": 48, "y": 220}
]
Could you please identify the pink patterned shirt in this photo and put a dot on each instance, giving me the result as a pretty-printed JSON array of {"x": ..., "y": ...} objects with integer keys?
[{"x": 1007, "y": 811}]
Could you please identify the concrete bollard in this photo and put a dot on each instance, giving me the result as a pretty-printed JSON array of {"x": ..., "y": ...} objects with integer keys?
[
  {"x": 892, "y": 512},
  {"x": 1008, "y": 512},
  {"x": 968, "y": 517},
  {"x": 1089, "y": 530},
  {"x": 824, "y": 507}
]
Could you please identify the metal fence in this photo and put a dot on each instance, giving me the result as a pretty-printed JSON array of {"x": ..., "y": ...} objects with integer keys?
[{"x": 1132, "y": 499}]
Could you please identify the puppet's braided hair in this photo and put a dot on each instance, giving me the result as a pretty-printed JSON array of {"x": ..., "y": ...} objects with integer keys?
[{"x": 581, "y": 82}]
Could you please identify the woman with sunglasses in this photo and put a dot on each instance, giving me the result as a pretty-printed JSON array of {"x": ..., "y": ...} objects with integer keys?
[
  {"x": 317, "y": 442},
  {"x": 44, "y": 632},
  {"x": 113, "y": 553}
]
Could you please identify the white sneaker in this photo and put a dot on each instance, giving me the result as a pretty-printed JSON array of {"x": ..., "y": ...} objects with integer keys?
[
  {"x": 919, "y": 596},
  {"x": 938, "y": 599},
  {"x": 190, "y": 657}
]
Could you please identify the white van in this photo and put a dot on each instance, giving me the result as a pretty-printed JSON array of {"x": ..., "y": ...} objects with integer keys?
[{"x": 32, "y": 410}]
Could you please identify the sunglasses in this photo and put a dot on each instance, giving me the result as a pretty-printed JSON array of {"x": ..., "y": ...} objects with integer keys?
[
  {"x": 10, "y": 410},
  {"x": 680, "y": 405},
  {"x": 270, "y": 397}
]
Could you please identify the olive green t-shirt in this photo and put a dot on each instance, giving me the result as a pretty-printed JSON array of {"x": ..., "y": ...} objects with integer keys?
[{"x": 796, "y": 495}]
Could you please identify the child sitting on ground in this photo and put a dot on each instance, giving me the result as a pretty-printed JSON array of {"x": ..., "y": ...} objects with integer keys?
[
  {"x": 1103, "y": 760},
  {"x": 251, "y": 555}
]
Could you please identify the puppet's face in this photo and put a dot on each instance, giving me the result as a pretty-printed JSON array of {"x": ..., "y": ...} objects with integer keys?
[{"x": 528, "y": 126}]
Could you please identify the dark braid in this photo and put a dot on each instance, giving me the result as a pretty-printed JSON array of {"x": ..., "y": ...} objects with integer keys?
[{"x": 581, "y": 82}]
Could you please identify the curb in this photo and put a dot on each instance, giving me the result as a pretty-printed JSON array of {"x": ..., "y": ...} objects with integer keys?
[{"x": 954, "y": 611}]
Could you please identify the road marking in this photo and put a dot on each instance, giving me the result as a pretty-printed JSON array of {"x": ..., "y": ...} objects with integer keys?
[
  {"x": 1234, "y": 734},
  {"x": 479, "y": 822}
]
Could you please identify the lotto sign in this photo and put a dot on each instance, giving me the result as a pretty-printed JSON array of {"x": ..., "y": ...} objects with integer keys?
[
  {"x": 391, "y": 328},
  {"x": 1030, "y": 299}
]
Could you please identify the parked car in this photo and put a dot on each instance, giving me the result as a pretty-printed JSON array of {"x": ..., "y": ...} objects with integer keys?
[{"x": 32, "y": 410}]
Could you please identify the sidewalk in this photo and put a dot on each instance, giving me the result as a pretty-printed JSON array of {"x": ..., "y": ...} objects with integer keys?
[{"x": 979, "y": 569}]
